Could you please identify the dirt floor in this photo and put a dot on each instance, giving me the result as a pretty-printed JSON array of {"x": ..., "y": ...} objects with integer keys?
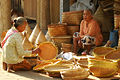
[{"x": 23, "y": 75}]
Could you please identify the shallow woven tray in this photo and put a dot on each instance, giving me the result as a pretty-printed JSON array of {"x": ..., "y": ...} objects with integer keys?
[
  {"x": 115, "y": 54},
  {"x": 56, "y": 68},
  {"x": 102, "y": 51},
  {"x": 48, "y": 51}
]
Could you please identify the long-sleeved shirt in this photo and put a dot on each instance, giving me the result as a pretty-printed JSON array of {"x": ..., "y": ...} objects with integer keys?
[
  {"x": 13, "y": 50},
  {"x": 91, "y": 28}
]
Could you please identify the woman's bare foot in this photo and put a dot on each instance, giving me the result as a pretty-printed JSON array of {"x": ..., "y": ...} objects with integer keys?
[
  {"x": 9, "y": 68},
  {"x": 4, "y": 66}
]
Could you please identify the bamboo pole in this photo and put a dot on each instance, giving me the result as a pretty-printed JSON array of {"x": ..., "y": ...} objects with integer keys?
[{"x": 5, "y": 15}]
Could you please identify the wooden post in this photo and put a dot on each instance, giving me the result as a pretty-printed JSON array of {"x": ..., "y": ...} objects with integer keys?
[
  {"x": 44, "y": 14},
  {"x": 5, "y": 15},
  {"x": 38, "y": 12},
  {"x": 55, "y": 11}
]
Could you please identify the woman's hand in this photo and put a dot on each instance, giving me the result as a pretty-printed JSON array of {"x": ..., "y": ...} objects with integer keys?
[{"x": 35, "y": 51}]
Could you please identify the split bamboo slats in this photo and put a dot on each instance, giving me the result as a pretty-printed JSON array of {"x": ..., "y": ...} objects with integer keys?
[
  {"x": 72, "y": 18},
  {"x": 57, "y": 30}
]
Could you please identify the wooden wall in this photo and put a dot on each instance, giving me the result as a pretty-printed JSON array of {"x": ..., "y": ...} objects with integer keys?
[
  {"x": 55, "y": 11},
  {"x": 30, "y": 9}
]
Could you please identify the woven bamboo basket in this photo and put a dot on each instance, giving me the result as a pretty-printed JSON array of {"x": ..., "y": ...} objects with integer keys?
[
  {"x": 72, "y": 18},
  {"x": 48, "y": 51},
  {"x": 102, "y": 67},
  {"x": 61, "y": 39},
  {"x": 57, "y": 29},
  {"x": 75, "y": 74},
  {"x": 66, "y": 47},
  {"x": 114, "y": 55},
  {"x": 101, "y": 51},
  {"x": 116, "y": 21},
  {"x": 54, "y": 70},
  {"x": 72, "y": 29}
]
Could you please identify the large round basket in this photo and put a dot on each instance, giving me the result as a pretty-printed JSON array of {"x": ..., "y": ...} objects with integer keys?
[
  {"x": 54, "y": 70},
  {"x": 41, "y": 66},
  {"x": 57, "y": 29},
  {"x": 101, "y": 51},
  {"x": 102, "y": 67},
  {"x": 72, "y": 29},
  {"x": 72, "y": 18},
  {"x": 114, "y": 55},
  {"x": 48, "y": 51}
]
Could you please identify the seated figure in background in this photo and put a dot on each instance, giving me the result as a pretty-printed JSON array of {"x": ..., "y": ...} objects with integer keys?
[{"x": 88, "y": 27}]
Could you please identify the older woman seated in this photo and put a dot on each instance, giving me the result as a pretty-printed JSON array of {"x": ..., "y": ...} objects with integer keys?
[
  {"x": 88, "y": 27},
  {"x": 13, "y": 51}
]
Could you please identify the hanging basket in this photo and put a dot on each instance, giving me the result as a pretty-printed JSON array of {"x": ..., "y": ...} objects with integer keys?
[
  {"x": 57, "y": 29},
  {"x": 72, "y": 18}
]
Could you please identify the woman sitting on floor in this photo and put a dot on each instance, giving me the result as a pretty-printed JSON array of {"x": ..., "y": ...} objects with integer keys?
[{"x": 13, "y": 51}]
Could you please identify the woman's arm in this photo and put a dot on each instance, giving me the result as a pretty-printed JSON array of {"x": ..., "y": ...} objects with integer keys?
[
  {"x": 81, "y": 29},
  {"x": 19, "y": 46}
]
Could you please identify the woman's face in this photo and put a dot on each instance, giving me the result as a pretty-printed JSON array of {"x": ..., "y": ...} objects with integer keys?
[
  {"x": 87, "y": 15},
  {"x": 21, "y": 28}
]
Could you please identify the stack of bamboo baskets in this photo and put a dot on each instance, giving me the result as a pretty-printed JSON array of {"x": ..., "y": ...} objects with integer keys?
[
  {"x": 58, "y": 34},
  {"x": 62, "y": 33}
]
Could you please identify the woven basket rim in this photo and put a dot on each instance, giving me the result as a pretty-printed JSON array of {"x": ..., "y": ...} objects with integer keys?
[
  {"x": 53, "y": 25},
  {"x": 56, "y": 66},
  {"x": 71, "y": 12},
  {"x": 62, "y": 36}
]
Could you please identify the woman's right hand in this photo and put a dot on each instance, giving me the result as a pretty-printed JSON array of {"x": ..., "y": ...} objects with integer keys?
[{"x": 36, "y": 51}]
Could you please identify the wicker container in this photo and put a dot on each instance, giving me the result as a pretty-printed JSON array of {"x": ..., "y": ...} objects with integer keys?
[
  {"x": 102, "y": 67},
  {"x": 54, "y": 70},
  {"x": 48, "y": 51},
  {"x": 72, "y": 18},
  {"x": 61, "y": 39},
  {"x": 75, "y": 74},
  {"x": 100, "y": 52},
  {"x": 72, "y": 29},
  {"x": 66, "y": 47},
  {"x": 116, "y": 21},
  {"x": 57, "y": 29}
]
